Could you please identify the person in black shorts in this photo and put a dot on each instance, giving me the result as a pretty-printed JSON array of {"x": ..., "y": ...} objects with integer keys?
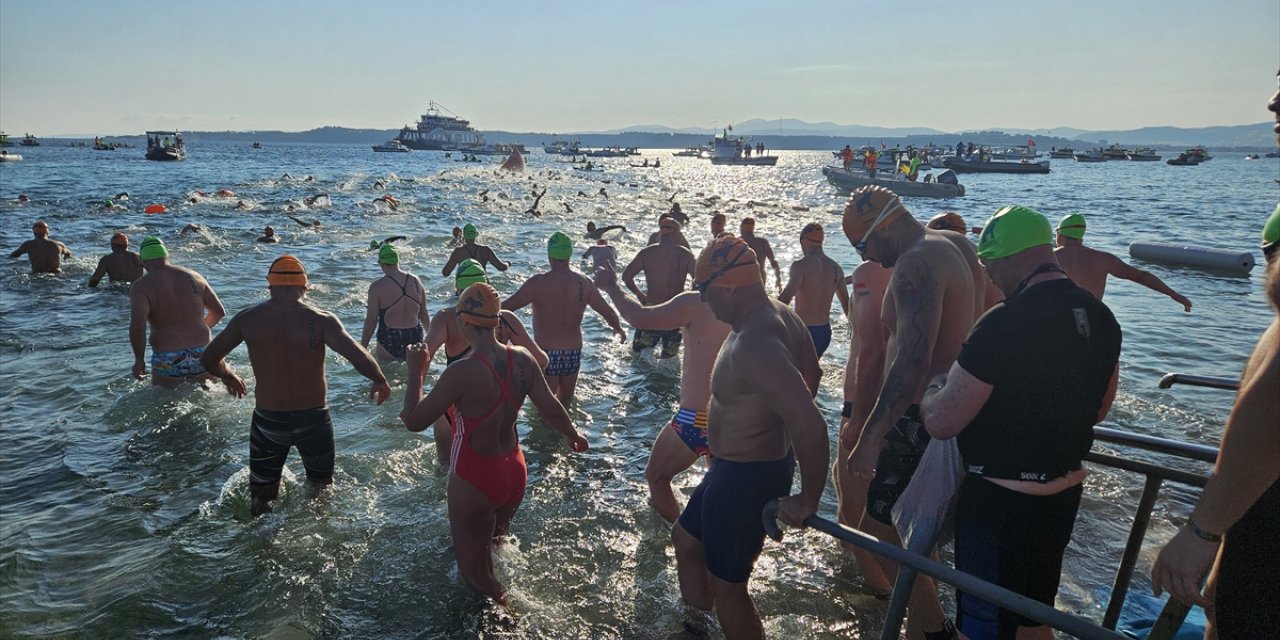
[{"x": 1035, "y": 374}]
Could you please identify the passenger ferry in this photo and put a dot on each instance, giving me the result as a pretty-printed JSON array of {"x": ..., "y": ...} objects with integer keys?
[{"x": 435, "y": 132}]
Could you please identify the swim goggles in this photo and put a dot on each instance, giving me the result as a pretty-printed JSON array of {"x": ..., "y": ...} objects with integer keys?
[{"x": 889, "y": 207}]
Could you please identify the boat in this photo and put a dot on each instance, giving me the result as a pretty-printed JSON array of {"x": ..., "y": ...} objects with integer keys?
[
  {"x": 689, "y": 152},
  {"x": 5, "y": 156},
  {"x": 736, "y": 150},
  {"x": 391, "y": 146},
  {"x": 996, "y": 166},
  {"x": 1063, "y": 153},
  {"x": 847, "y": 180},
  {"x": 1092, "y": 155},
  {"x": 436, "y": 132},
  {"x": 1116, "y": 152},
  {"x": 1251, "y": 156},
  {"x": 496, "y": 149},
  {"x": 165, "y": 145},
  {"x": 1144, "y": 154},
  {"x": 102, "y": 145},
  {"x": 607, "y": 152},
  {"x": 1272, "y": 154},
  {"x": 1020, "y": 152},
  {"x": 30, "y": 141},
  {"x": 1184, "y": 160},
  {"x": 562, "y": 148},
  {"x": 1201, "y": 153},
  {"x": 4, "y": 140},
  {"x": 257, "y": 145}
]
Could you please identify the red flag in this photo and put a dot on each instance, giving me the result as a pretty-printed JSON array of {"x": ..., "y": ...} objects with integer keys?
[{"x": 1030, "y": 142}]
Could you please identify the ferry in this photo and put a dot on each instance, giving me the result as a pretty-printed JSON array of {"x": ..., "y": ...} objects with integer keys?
[
  {"x": 437, "y": 132},
  {"x": 737, "y": 150}
]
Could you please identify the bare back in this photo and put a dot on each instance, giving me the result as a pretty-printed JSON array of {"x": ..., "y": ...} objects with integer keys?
[
  {"x": 482, "y": 392},
  {"x": 979, "y": 276},
  {"x": 1087, "y": 267},
  {"x": 820, "y": 278},
  {"x": 286, "y": 341},
  {"x": 175, "y": 300},
  {"x": 399, "y": 299},
  {"x": 559, "y": 298},
  {"x": 45, "y": 254},
  {"x": 121, "y": 266},
  {"x": 665, "y": 265}
]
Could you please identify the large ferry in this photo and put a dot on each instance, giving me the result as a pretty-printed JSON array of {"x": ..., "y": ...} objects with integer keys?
[{"x": 435, "y": 132}]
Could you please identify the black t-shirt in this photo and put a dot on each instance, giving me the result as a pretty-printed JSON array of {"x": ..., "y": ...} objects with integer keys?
[{"x": 1048, "y": 353}]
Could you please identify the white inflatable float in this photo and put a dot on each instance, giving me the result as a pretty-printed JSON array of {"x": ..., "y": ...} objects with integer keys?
[{"x": 1234, "y": 262}]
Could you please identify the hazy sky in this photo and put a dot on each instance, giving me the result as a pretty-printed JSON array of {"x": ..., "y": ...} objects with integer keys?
[{"x": 124, "y": 66}]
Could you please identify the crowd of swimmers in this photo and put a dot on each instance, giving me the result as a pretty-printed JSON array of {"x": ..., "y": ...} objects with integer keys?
[{"x": 1002, "y": 353}]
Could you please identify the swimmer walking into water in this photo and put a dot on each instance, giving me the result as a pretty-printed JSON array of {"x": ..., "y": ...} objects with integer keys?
[
  {"x": 121, "y": 265},
  {"x": 488, "y": 475},
  {"x": 814, "y": 280},
  {"x": 473, "y": 250},
  {"x": 44, "y": 253},
  {"x": 1090, "y": 267},
  {"x": 181, "y": 307},
  {"x": 397, "y": 307}
]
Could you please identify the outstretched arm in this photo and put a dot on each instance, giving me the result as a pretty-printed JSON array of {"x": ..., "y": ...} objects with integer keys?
[
  {"x": 672, "y": 314},
  {"x": 337, "y": 338},
  {"x": 452, "y": 262},
  {"x": 522, "y": 297},
  {"x": 1120, "y": 269},
  {"x": 865, "y": 368},
  {"x": 520, "y": 337},
  {"x": 777, "y": 273},
  {"x": 842, "y": 292}
]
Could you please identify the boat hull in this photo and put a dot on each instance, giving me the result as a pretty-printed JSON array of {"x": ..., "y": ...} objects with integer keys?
[
  {"x": 758, "y": 161},
  {"x": 166, "y": 155},
  {"x": 847, "y": 181},
  {"x": 968, "y": 166}
]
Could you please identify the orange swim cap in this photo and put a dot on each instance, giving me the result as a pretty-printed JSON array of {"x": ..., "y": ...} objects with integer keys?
[
  {"x": 287, "y": 271},
  {"x": 812, "y": 234},
  {"x": 870, "y": 208},
  {"x": 668, "y": 224},
  {"x": 947, "y": 221},
  {"x": 479, "y": 305},
  {"x": 720, "y": 264}
]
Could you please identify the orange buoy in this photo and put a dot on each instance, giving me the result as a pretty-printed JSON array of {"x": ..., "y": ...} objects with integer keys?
[{"x": 155, "y": 208}]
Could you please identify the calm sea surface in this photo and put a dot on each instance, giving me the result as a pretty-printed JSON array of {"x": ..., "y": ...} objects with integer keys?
[{"x": 124, "y": 509}]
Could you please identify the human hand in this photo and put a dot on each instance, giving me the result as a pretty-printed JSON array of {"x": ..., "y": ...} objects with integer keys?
[
  {"x": 1186, "y": 304},
  {"x": 380, "y": 390},
  {"x": 1181, "y": 566},
  {"x": 794, "y": 510},
  {"x": 862, "y": 460},
  {"x": 234, "y": 384},
  {"x": 622, "y": 335},
  {"x": 139, "y": 369},
  {"x": 415, "y": 357},
  {"x": 577, "y": 443}
]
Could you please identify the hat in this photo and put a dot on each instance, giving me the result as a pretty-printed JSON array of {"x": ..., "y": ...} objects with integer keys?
[
  {"x": 719, "y": 265},
  {"x": 469, "y": 232},
  {"x": 469, "y": 272},
  {"x": 947, "y": 221},
  {"x": 668, "y": 224},
  {"x": 152, "y": 249},
  {"x": 868, "y": 209},
  {"x": 479, "y": 305},
  {"x": 1013, "y": 230},
  {"x": 387, "y": 254},
  {"x": 1271, "y": 231},
  {"x": 559, "y": 247},
  {"x": 813, "y": 234},
  {"x": 119, "y": 238},
  {"x": 1072, "y": 226},
  {"x": 286, "y": 271}
]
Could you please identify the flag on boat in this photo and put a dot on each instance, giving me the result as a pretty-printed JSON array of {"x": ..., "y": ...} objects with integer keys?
[
  {"x": 515, "y": 161},
  {"x": 731, "y": 127},
  {"x": 1030, "y": 142}
]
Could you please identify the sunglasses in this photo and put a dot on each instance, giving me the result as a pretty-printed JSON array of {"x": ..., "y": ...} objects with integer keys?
[{"x": 889, "y": 207}]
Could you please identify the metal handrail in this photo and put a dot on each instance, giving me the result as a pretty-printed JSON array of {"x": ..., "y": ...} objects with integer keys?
[{"x": 1190, "y": 379}]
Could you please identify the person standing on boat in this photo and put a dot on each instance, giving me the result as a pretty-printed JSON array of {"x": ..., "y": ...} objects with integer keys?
[
  {"x": 121, "y": 265},
  {"x": 397, "y": 307},
  {"x": 181, "y": 307},
  {"x": 872, "y": 157},
  {"x": 1090, "y": 267},
  {"x": 814, "y": 280},
  {"x": 473, "y": 250},
  {"x": 1036, "y": 373},
  {"x": 44, "y": 254},
  {"x": 286, "y": 337},
  {"x": 846, "y": 157}
]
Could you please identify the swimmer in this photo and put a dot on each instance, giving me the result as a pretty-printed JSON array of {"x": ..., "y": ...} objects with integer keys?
[
  {"x": 22, "y": 197},
  {"x": 747, "y": 231},
  {"x": 678, "y": 214},
  {"x": 488, "y": 474},
  {"x": 1090, "y": 267},
  {"x": 813, "y": 281},
  {"x": 951, "y": 221},
  {"x": 473, "y": 250},
  {"x": 286, "y": 338},
  {"x": 313, "y": 223},
  {"x": 666, "y": 264},
  {"x": 121, "y": 265},
  {"x": 268, "y": 235},
  {"x": 717, "y": 225},
  {"x": 44, "y": 253},
  {"x": 595, "y": 233},
  {"x": 601, "y": 255},
  {"x": 456, "y": 240},
  {"x": 602, "y": 192},
  {"x": 181, "y": 307},
  {"x": 560, "y": 297},
  {"x": 396, "y": 306},
  {"x": 191, "y": 228},
  {"x": 533, "y": 210}
]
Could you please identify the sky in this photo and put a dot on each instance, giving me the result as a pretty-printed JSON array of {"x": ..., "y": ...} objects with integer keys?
[{"x": 124, "y": 66}]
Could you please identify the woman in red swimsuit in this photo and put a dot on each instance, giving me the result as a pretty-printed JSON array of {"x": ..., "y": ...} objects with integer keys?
[{"x": 487, "y": 469}]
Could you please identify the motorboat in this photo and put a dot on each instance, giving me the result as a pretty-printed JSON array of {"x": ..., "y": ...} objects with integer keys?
[
  {"x": 1272, "y": 154},
  {"x": 391, "y": 146},
  {"x": 4, "y": 140},
  {"x": 996, "y": 166},
  {"x": 1252, "y": 156},
  {"x": 690, "y": 152},
  {"x": 165, "y": 145},
  {"x": 1092, "y": 155},
  {"x": 1020, "y": 152},
  {"x": 102, "y": 145},
  {"x": 1116, "y": 152},
  {"x": 1184, "y": 160},
  {"x": 562, "y": 148},
  {"x": 1201, "y": 153},
  {"x": 737, "y": 150},
  {"x": 1063, "y": 153},
  {"x": 5, "y": 156},
  {"x": 437, "y": 132},
  {"x": 30, "y": 141},
  {"x": 1144, "y": 154},
  {"x": 607, "y": 152},
  {"x": 848, "y": 180},
  {"x": 257, "y": 145}
]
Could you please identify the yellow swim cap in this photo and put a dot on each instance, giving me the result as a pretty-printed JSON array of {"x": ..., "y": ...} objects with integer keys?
[
  {"x": 559, "y": 247},
  {"x": 286, "y": 271},
  {"x": 1072, "y": 226},
  {"x": 479, "y": 305},
  {"x": 1012, "y": 230},
  {"x": 152, "y": 249},
  {"x": 469, "y": 272}
]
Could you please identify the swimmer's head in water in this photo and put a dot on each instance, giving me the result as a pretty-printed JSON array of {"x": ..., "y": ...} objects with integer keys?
[
  {"x": 559, "y": 247},
  {"x": 119, "y": 239},
  {"x": 724, "y": 263},
  {"x": 668, "y": 224},
  {"x": 869, "y": 209},
  {"x": 457, "y": 231},
  {"x": 269, "y": 231},
  {"x": 812, "y": 234},
  {"x": 1072, "y": 226},
  {"x": 387, "y": 254},
  {"x": 469, "y": 232},
  {"x": 1012, "y": 230},
  {"x": 152, "y": 249},
  {"x": 286, "y": 271},
  {"x": 947, "y": 221},
  {"x": 469, "y": 272},
  {"x": 1271, "y": 236},
  {"x": 479, "y": 305},
  {"x": 747, "y": 225}
]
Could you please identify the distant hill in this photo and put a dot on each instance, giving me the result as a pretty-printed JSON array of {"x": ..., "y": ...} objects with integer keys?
[{"x": 791, "y": 127}]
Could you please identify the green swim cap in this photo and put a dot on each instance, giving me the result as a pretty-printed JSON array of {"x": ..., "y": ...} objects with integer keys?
[
  {"x": 152, "y": 249},
  {"x": 1072, "y": 226},
  {"x": 469, "y": 272},
  {"x": 1271, "y": 232},
  {"x": 469, "y": 232},
  {"x": 1012, "y": 230},
  {"x": 388, "y": 255},
  {"x": 559, "y": 247}
]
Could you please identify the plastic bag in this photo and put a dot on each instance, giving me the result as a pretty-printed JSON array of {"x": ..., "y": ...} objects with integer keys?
[{"x": 926, "y": 507}]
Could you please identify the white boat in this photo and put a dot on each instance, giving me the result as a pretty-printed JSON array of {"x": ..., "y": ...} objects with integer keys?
[
  {"x": 737, "y": 150},
  {"x": 435, "y": 132},
  {"x": 847, "y": 180},
  {"x": 391, "y": 146},
  {"x": 5, "y": 156},
  {"x": 1020, "y": 152},
  {"x": 1092, "y": 155},
  {"x": 562, "y": 148}
]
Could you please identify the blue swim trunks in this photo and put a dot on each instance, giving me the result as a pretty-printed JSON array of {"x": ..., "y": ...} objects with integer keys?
[
  {"x": 177, "y": 364},
  {"x": 821, "y": 335},
  {"x": 691, "y": 426},
  {"x": 563, "y": 362},
  {"x": 724, "y": 512}
]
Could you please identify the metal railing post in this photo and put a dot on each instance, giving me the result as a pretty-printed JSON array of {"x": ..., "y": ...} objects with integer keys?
[{"x": 1131, "y": 548}]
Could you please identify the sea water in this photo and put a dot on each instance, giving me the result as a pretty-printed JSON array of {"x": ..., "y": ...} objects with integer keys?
[{"x": 124, "y": 509}]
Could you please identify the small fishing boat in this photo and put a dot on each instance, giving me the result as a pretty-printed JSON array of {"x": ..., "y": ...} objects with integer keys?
[
  {"x": 1184, "y": 160},
  {"x": 1063, "y": 153},
  {"x": 1144, "y": 154},
  {"x": 165, "y": 145},
  {"x": 1092, "y": 155},
  {"x": 848, "y": 180},
  {"x": 391, "y": 146},
  {"x": 30, "y": 141}
]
